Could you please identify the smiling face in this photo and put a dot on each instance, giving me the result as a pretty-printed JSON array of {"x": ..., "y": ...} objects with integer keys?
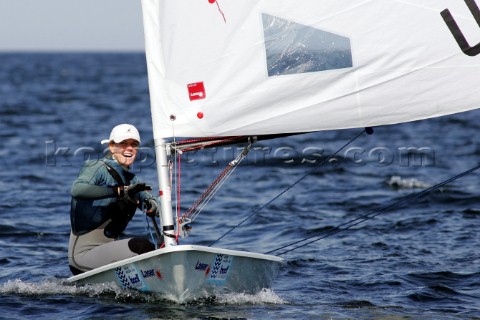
[{"x": 125, "y": 151}]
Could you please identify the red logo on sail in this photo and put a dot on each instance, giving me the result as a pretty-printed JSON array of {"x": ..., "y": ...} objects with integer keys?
[{"x": 196, "y": 91}]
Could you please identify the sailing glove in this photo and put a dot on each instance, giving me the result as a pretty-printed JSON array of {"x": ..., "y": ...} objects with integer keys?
[
  {"x": 151, "y": 207},
  {"x": 127, "y": 193}
]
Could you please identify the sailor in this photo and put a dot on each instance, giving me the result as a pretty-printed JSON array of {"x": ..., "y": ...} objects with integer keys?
[{"x": 105, "y": 197}]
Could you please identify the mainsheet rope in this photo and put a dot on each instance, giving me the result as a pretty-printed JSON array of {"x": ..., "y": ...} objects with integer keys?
[
  {"x": 371, "y": 215},
  {"x": 256, "y": 211},
  {"x": 148, "y": 230}
]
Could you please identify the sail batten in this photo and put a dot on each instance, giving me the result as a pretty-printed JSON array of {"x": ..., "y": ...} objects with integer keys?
[{"x": 267, "y": 67}]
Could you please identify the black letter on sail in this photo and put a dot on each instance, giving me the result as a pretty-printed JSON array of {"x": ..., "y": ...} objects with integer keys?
[{"x": 457, "y": 33}]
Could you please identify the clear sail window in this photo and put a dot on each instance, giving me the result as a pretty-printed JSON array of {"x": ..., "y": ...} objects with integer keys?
[{"x": 295, "y": 48}]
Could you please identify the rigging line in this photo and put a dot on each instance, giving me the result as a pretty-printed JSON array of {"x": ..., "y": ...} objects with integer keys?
[
  {"x": 175, "y": 169},
  {"x": 215, "y": 186},
  {"x": 255, "y": 211},
  {"x": 214, "y": 190},
  {"x": 148, "y": 231},
  {"x": 178, "y": 166},
  {"x": 371, "y": 215}
]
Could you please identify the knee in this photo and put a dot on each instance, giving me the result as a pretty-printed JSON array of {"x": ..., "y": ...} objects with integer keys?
[
  {"x": 140, "y": 245},
  {"x": 75, "y": 271}
]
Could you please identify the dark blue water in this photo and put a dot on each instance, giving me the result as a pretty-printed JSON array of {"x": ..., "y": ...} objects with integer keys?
[{"x": 420, "y": 260}]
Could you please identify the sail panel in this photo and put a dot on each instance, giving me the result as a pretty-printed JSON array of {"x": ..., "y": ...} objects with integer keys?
[{"x": 256, "y": 67}]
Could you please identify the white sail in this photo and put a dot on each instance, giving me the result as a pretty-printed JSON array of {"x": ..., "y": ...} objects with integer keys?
[{"x": 251, "y": 67}]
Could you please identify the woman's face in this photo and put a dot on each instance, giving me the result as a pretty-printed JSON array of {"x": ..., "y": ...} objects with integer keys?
[{"x": 125, "y": 151}]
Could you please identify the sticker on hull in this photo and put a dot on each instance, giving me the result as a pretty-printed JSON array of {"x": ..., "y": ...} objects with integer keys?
[
  {"x": 220, "y": 268},
  {"x": 131, "y": 278}
]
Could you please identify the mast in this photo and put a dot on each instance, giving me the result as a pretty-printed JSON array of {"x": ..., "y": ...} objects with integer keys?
[{"x": 165, "y": 192}]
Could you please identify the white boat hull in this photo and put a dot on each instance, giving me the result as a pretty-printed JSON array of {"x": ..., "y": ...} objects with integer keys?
[{"x": 187, "y": 272}]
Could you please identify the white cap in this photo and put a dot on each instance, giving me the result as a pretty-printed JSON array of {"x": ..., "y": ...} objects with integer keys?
[{"x": 123, "y": 132}]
